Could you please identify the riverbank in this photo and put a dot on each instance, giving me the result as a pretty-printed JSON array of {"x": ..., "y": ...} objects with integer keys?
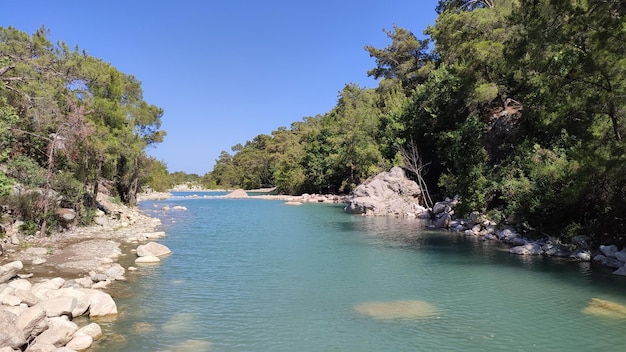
[{"x": 47, "y": 282}]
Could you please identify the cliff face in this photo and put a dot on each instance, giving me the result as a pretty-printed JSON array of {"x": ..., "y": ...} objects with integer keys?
[{"x": 388, "y": 193}]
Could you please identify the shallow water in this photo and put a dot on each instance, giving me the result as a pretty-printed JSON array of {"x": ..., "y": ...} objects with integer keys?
[{"x": 259, "y": 275}]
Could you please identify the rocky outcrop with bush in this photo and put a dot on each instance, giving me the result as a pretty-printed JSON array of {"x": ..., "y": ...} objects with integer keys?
[{"x": 388, "y": 193}]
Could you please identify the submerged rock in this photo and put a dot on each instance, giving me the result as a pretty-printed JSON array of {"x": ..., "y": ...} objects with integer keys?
[
  {"x": 404, "y": 309},
  {"x": 605, "y": 308}
]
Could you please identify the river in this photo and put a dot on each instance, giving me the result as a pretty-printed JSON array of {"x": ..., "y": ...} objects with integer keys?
[{"x": 259, "y": 275}]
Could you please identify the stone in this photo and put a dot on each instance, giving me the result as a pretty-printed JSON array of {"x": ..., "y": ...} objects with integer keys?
[
  {"x": 179, "y": 207},
  {"x": 116, "y": 272},
  {"x": 32, "y": 321},
  {"x": 85, "y": 282},
  {"x": 527, "y": 249},
  {"x": 100, "y": 303},
  {"x": 608, "y": 251},
  {"x": 621, "y": 255},
  {"x": 443, "y": 220},
  {"x": 153, "y": 249},
  {"x": 94, "y": 330},
  {"x": 10, "y": 335},
  {"x": 60, "y": 331},
  {"x": 611, "y": 262},
  {"x": 80, "y": 342},
  {"x": 82, "y": 300},
  {"x": 26, "y": 297},
  {"x": 65, "y": 214},
  {"x": 581, "y": 255},
  {"x": 10, "y": 300},
  {"x": 518, "y": 241},
  {"x": 40, "y": 289},
  {"x": 102, "y": 284},
  {"x": 40, "y": 347},
  {"x": 558, "y": 251},
  {"x": 21, "y": 284},
  {"x": 388, "y": 193},
  {"x": 97, "y": 277},
  {"x": 149, "y": 259},
  {"x": 8, "y": 271},
  {"x": 475, "y": 218},
  {"x": 58, "y": 306},
  {"x": 441, "y": 207},
  {"x": 153, "y": 235},
  {"x": 490, "y": 236}
]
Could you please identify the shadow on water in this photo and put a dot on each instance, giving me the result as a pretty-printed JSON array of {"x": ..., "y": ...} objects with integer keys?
[{"x": 455, "y": 248}]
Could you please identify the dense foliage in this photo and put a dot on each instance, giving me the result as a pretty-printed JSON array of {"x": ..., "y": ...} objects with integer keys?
[
  {"x": 516, "y": 106},
  {"x": 71, "y": 125}
]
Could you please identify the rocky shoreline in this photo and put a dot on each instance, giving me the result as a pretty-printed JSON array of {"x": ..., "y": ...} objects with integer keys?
[
  {"x": 47, "y": 282},
  {"x": 392, "y": 193}
]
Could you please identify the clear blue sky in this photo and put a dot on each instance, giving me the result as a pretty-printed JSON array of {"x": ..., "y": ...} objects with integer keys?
[{"x": 226, "y": 71}]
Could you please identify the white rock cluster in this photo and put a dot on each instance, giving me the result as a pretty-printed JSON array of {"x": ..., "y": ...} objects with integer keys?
[{"x": 38, "y": 316}]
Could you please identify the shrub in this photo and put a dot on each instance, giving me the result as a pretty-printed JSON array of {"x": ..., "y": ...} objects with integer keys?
[{"x": 26, "y": 171}]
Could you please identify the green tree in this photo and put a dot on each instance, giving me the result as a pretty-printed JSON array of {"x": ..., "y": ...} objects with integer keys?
[{"x": 404, "y": 60}]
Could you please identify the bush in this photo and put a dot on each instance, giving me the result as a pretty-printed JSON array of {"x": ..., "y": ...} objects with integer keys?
[
  {"x": 71, "y": 190},
  {"x": 26, "y": 171},
  {"x": 5, "y": 184}
]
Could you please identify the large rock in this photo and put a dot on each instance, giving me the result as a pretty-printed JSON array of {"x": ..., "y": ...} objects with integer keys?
[
  {"x": 59, "y": 333},
  {"x": 26, "y": 297},
  {"x": 388, "y": 193},
  {"x": 32, "y": 321},
  {"x": 581, "y": 255},
  {"x": 116, "y": 272},
  {"x": 80, "y": 342},
  {"x": 608, "y": 251},
  {"x": 100, "y": 303},
  {"x": 153, "y": 249},
  {"x": 443, "y": 220},
  {"x": 10, "y": 335},
  {"x": 82, "y": 300},
  {"x": 621, "y": 255},
  {"x": 58, "y": 306},
  {"x": 94, "y": 330},
  {"x": 611, "y": 262},
  {"x": 66, "y": 215},
  {"x": 527, "y": 249},
  {"x": 44, "y": 290},
  {"x": 7, "y": 271}
]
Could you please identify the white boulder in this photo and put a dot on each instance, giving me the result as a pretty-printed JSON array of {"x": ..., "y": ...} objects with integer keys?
[
  {"x": 153, "y": 249},
  {"x": 7, "y": 271}
]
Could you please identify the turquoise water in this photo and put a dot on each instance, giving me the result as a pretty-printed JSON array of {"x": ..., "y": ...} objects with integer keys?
[{"x": 259, "y": 275}]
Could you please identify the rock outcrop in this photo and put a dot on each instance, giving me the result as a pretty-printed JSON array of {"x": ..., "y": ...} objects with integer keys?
[{"x": 388, "y": 193}]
